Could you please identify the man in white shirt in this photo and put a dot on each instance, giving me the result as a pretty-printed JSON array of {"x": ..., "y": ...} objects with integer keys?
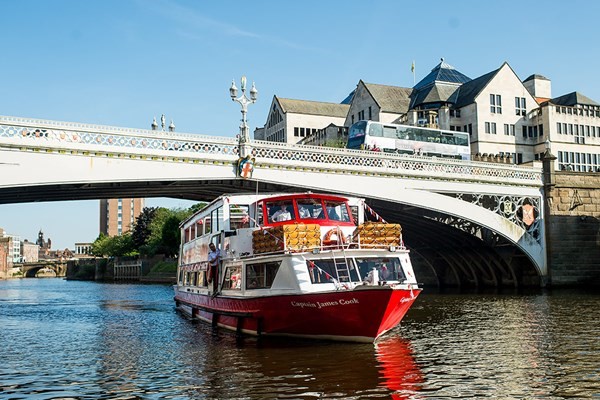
[{"x": 282, "y": 214}]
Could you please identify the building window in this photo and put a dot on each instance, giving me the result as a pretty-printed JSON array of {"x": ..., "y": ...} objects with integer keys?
[
  {"x": 487, "y": 127},
  {"x": 506, "y": 129},
  {"x": 524, "y": 131},
  {"x": 520, "y": 108},
  {"x": 296, "y": 131},
  {"x": 512, "y": 130},
  {"x": 470, "y": 129},
  {"x": 370, "y": 113},
  {"x": 496, "y": 104}
]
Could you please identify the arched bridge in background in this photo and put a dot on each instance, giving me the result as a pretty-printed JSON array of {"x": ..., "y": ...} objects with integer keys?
[
  {"x": 30, "y": 270},
  {"x": 468, "y": 224}
]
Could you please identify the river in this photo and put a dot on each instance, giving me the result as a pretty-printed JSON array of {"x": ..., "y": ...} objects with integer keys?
[{"x": 85, "y": 340}]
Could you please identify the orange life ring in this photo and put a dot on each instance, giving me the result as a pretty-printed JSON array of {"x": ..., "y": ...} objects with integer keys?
[{"x": 327, "y": 241}]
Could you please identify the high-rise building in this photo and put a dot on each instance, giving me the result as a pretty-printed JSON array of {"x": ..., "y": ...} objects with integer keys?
[{"x": 117, "y": 216}]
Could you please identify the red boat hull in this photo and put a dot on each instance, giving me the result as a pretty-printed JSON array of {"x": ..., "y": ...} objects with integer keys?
[{"x": 359, "y": 315}]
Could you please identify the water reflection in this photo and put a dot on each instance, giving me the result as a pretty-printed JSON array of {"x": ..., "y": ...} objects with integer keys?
[
  {"x": 398, "y": 368},
  {"x": 87, "y": 340}
]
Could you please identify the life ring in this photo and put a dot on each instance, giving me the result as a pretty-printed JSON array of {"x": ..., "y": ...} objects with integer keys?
[{"x": 340, "y": 240}]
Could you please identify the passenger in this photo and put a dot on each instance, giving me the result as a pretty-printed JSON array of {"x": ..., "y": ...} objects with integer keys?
[
  {"x": 304, "y": 212},
  {"x": 333, "y": 215},
  {"x": 282, "y": 214},
  {"x": 384, "y": 272},
  {"x": 214, "y": 256}
]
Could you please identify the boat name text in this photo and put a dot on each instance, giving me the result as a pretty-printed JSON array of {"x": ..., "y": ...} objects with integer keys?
[{"x": 318, "y": 304}]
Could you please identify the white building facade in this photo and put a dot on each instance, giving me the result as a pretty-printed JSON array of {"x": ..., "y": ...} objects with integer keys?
[{"x": 507, "y": 118}]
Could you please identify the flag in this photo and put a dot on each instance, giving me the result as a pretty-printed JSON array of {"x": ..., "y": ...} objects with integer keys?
[{"x": 412, "y": 67}]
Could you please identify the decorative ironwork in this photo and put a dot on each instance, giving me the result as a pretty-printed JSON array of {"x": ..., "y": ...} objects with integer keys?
[
  {"x": 52, "y": 133},
  {"x": 523, "y": 211}
]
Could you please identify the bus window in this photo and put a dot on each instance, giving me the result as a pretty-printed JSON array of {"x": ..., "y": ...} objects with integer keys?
[
  {"x": 389, "y": 131},
  {"x": 376, "y": 130}
]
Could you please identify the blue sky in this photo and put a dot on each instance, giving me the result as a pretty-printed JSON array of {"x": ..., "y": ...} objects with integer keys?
[{"x": 122, "y": 62}]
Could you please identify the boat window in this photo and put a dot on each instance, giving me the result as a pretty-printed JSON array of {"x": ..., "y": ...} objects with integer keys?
[
  {"x": 324, "y": 271},
  {"x": 199, "y": 231},
  {"x": 337, "y": 211},
  {"x": 218, "y": 225},
  {"x": 354, "y": 211},
  {"x": 281, "y": 211},
  {"x": 389, "y": 268},
  {"x": 310, "y": 209},
  {"x": 239, "y": 216},
  {"x": 207, "y": 225},
  {"x": 261, "y": 275},
  {"x": 180, "y": 278},
  {"x": 259, "y": 215},
  {"x": 233, "y": 278}
]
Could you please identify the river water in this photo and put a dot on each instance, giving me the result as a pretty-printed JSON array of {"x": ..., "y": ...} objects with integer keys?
[{"x": 86, "y": 340}]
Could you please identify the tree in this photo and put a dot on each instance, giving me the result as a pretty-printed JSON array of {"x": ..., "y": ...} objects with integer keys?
[
  {"x": 141, "y": 229},
  {"x": 115, "y": 246}
]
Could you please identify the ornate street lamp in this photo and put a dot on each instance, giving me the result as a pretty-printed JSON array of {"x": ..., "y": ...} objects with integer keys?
[{"x": 243, "y": 100}]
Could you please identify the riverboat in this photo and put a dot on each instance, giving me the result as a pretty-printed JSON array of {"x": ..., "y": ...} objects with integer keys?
[{"x": 301, "y": 265}]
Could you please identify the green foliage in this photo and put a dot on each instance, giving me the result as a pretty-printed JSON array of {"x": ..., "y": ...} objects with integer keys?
[
  {"x": 339, "y": 143},
  {"x": 115, "y": 246},
  {"x": 141, "y": 229},
  {"x": 156, "y": 231},
  {"x": 164, "y": 266}
]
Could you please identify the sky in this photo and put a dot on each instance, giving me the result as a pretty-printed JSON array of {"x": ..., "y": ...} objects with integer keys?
[{"x": 123, "y": 62}]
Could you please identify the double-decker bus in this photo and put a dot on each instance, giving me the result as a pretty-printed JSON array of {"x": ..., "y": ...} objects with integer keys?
[{"x": 405, "y": 139}]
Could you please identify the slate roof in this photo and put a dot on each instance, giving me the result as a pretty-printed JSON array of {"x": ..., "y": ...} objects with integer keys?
[
  {"x": 393, "y": 99},
  {"x": 572, "y": 99},
  {"x": 468, "y": 91},
  {"x": 536, "y": 76},
  {"x": 313, "y": 107},
  {"x": 439, "y": 86},
  {"x": 443, "y": 72}
]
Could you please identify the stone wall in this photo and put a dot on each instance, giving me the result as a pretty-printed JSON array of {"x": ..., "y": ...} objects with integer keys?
[{"x": 573, "y": 228}]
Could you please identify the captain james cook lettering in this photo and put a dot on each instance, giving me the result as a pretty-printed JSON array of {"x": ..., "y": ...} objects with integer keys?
[{"x": 318, "y": 304}]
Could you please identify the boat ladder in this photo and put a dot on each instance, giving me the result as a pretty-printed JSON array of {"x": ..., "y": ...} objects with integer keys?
[{"x": 341, "y": 266}]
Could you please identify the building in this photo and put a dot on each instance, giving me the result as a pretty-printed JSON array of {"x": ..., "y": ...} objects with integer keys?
[
  {"x": 290, "y": 121},
  {"x": 14, "y": 246},
  {"x": 30, "y": 251},
  {"x": 5, "y": 261},
  {"x": 118, "y": 216},
  {"x": 83, "y": 249},
  {"x": 332, "y": 135},
  {"x": 506, "y": 117},
  {"x": 44, "y": 246}
]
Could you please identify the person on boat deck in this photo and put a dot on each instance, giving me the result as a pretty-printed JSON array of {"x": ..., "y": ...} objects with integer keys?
[
  {"x": 282, "y": 214},
  {"x": 214, "y": 256},
  {"x": 384, "y": 272},
  {"x": 304, "y": 212}
]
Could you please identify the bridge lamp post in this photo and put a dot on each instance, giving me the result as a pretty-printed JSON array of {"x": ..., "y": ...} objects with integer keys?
[{"x": 244, "y": 101}]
